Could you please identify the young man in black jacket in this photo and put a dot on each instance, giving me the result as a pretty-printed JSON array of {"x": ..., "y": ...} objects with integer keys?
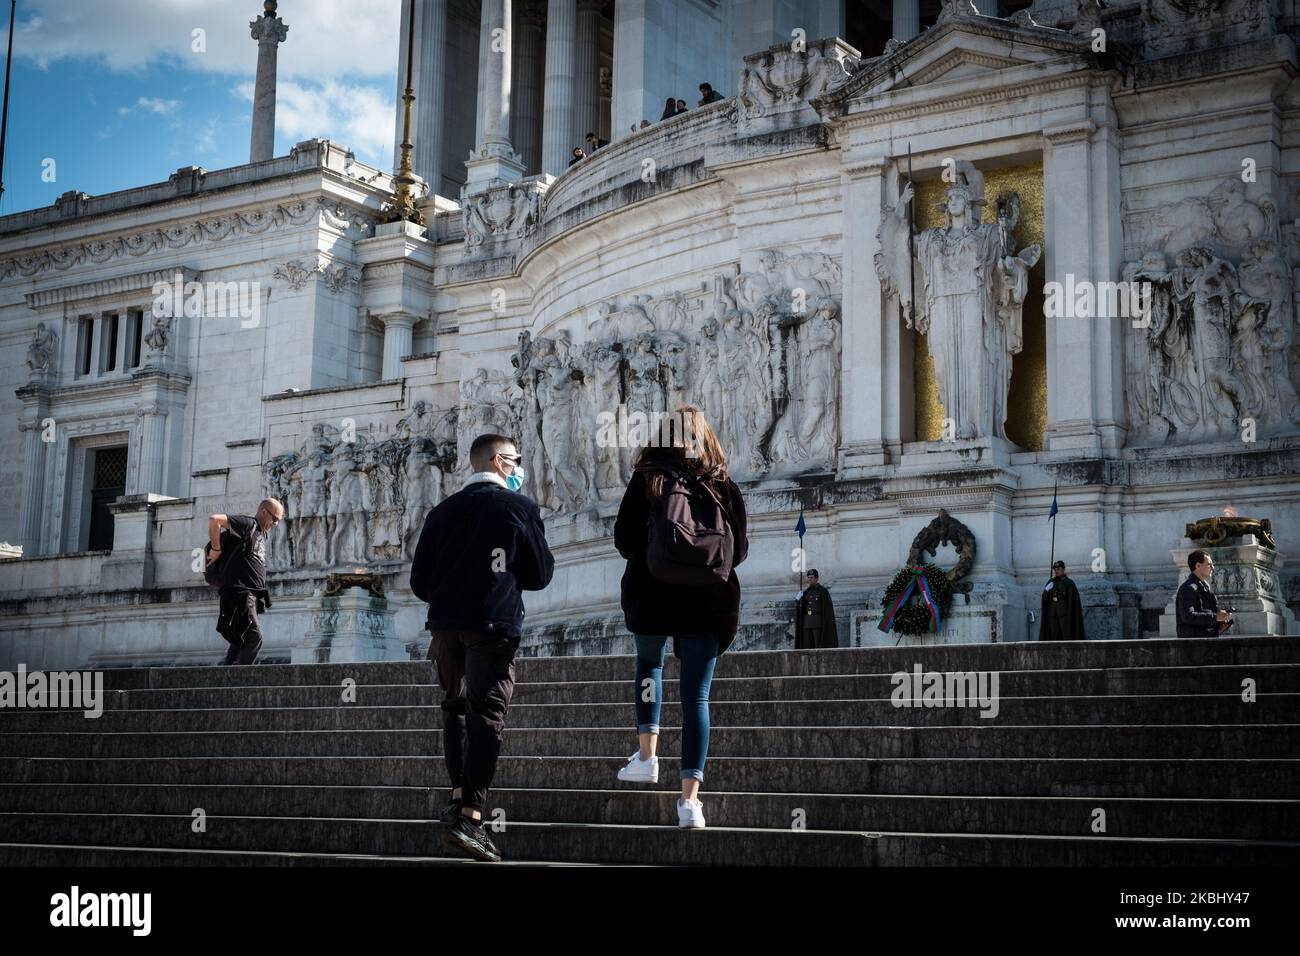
[
  {"x": 478, "y": 550},
  {"x": 1197, "y": 608}
]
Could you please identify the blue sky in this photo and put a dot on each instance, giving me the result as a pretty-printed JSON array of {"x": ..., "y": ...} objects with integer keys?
[{"x": 117, "y": 95}]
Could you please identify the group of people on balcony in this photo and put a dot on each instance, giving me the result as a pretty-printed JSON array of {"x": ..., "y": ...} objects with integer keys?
[{"x": 672, "y": 107}]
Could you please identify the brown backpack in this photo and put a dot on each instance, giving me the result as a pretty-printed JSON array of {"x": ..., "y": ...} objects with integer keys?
[{"x": 690, "y": 541}]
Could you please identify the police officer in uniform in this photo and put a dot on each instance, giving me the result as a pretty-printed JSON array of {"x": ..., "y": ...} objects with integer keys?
[
  {"x": 1198, "y": 608},
  {"x": 814, "y": 624}
]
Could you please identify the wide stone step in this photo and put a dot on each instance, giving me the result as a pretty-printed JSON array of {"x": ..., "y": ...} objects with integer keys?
[
  {"x": 1102, "y": 777},
  {"x": 1031, "y": 655},
  {"x": 1174, "y": 709},
  {"x": 50, "y": 855},
  {"x": 1137, "y": 681},
  {"x": 987, "y": 740},
  {"x": 1063, "y": 816},
  {"x": 663, "y": 844}
]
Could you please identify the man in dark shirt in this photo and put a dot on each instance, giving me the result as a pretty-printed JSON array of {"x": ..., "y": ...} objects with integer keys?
[
  {"x": 709, "y": 95},
  {"x": 242, "y": 539},
  {"x": 1197, "y": 608},
  {"x": 478, "y": 550},
  {"x": 594, "y": 143}
]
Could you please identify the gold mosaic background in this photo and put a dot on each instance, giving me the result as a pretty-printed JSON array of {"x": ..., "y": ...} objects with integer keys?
[{"x": 1027, "y": 402}]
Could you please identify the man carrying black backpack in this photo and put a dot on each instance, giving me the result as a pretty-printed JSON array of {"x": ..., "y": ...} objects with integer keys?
[
  {"x": 237, "y": 557},
  {"x": 478, "y": 550}
]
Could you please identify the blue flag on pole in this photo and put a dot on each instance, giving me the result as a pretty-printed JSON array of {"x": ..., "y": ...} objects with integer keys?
[
  {"x": 1052, "y": 513},
  {"x": 800, "y": 527}
]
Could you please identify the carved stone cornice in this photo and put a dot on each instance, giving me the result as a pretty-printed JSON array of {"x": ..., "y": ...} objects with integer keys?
[
  {"x": 1068, "y": 133},
  {"x": 117, "y": 285},
  {"x": 186, "y": 234}
]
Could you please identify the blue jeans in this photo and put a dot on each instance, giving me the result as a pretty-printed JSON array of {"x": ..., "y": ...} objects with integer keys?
[{"x": 699, "y": 655}]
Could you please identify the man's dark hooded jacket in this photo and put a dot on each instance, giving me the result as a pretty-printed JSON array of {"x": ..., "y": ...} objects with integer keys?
[{"x": 479, "y": 548}]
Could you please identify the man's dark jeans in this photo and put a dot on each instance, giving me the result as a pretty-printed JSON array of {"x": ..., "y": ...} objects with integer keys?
[
  {"x": 477, "y": 672},
  {"x": 237, "y": 623}
]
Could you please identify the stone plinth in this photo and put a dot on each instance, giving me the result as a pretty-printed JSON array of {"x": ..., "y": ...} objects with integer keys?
[{"x": 354, "y": 625}]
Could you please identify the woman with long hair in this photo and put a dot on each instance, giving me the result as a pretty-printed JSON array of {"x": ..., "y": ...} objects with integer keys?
[
  {"x": 700, "y": 619},
  {"x": 670, "y": 108}
]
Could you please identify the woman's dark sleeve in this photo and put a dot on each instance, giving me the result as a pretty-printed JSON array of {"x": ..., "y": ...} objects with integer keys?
[
  {"x": 629, "y": 526},
  {"x": 740, "y": 522}
]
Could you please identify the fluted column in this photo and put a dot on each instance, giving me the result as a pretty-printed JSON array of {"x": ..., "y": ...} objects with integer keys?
[
  {"x": 494, "y": 159},
  {"x": 33, "y": 499},
  {"x": 558, "y": 133},
  {"x": 586, "y": 71},
  {"x": 526, "y": 96},
  {"x": 269, "y": 31},
  {"x": 398, "y": 336},
  {"x": 149, "y": 475},
  {"x": 907, "y": 19}
]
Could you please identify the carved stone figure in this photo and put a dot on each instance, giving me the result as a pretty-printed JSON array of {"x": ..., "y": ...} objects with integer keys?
[
  {"x": 42, "y": 350},
  {"x": 346, "y": 505},
  {"x": 158, "y": 336},
  {"x": 970, "y": 290}
]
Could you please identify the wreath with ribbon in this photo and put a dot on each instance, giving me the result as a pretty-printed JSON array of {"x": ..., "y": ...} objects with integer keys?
[{"x": 916, "y": 601}]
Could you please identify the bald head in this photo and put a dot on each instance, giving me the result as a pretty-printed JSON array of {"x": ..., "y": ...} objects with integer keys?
[{"x": 269, "y": 513}]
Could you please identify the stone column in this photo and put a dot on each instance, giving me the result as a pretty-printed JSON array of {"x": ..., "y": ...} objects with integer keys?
[
  {"x": 494, "y": 159},
  {"x": 398, "y": 337},
  {"x": 153, "y": 436},
  {"x": 1084, "y": 375},
  {"x": 33, "y": 500},
  {"x": 558, "y": 133},
  {"x": 987, "y": 7},
  {"x": 269, "y": 31},
  {"x": 586, "y": 72},
  {"x": 430, "y": 66},
  {"x": 870, "y": 356},
  {"x": 527, "y": 94},
  {"x": 907, "y": 19}
]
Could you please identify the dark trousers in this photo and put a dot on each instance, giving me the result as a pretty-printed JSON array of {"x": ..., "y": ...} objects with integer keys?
[
  {"x": 477, "y": 672},
  {"x": 237, "y": 623}
]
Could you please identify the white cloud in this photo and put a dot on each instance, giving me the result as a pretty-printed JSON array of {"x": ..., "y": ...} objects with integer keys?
[
  {"x": 328, "y": 39},
  {"x": 360, "y": 116},
  {"x": 151, "y": 104}
]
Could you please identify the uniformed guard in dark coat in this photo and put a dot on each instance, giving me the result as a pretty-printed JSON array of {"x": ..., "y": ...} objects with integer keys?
[
  {"x": 1062, "y": 614},
  {"x": 1197, "y": 607},
  {"x": 814, "y": 622}
]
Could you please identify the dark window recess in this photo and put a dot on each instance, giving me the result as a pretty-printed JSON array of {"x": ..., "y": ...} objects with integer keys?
[
  {"x": 135, "y": 332},
  {"x": 108, "y": 485},
  {"x": 87, "y": 338},
  {"x": 110, "y": 360}
]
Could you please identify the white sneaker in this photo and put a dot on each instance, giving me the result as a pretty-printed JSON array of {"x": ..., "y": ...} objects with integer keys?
[
  {"x": 690, "y": 814},
  {"x": 640, "y": 771}
]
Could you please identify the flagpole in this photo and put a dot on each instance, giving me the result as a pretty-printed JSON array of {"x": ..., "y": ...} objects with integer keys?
[
  {"x": 1052, "y": 560},
  {"x": 911, "y": 261},
  {"x": 4, "y": 122}
]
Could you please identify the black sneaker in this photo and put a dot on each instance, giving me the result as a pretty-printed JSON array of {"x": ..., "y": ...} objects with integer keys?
[
  {"x": 470, "y": 838},
  {"x": 451, "y": 811}
]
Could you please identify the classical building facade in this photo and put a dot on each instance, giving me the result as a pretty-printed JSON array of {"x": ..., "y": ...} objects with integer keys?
[{"x": 188, "y": 347}]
